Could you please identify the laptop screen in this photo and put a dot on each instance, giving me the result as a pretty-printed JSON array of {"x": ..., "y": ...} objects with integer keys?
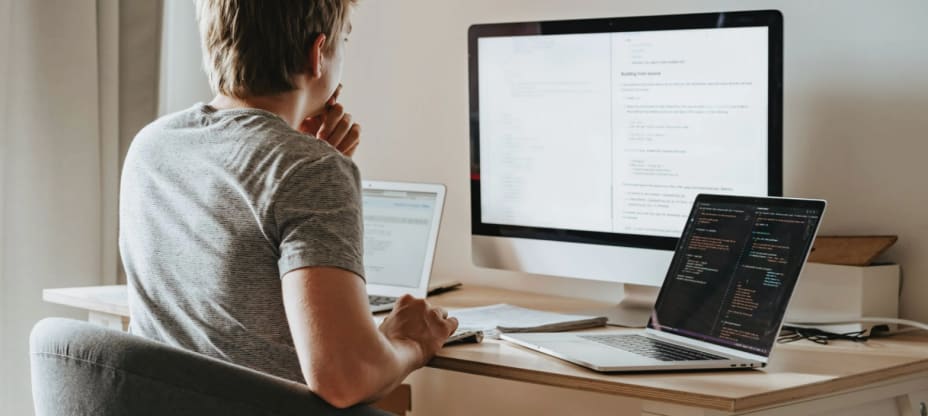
[
  {"x": 396, "y": 235},
  {"x": 734, "y": 270}
]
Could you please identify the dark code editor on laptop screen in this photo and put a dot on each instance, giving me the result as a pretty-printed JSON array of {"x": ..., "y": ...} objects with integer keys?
[{"x": 734, "y": 271}]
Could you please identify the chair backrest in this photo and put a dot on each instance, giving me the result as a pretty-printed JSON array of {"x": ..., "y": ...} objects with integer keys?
[{"x": 83, "y": 369}]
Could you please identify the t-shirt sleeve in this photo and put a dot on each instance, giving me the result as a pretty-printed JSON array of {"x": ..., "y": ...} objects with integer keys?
[{"x": 317, "y": 211}]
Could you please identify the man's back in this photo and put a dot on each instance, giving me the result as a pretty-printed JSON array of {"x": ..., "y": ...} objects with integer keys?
[{"x": 216, "y": 206}]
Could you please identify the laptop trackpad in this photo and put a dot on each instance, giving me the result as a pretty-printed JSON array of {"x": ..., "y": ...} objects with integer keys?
[{"x": 594, "y": 353}]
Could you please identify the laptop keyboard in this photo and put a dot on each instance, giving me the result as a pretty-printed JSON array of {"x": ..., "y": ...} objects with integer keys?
[
  {"x": 652, "y": 348},
  {"x": 375, "y": 300}
]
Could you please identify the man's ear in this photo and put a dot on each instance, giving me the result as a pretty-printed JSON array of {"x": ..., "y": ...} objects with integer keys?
[{"x": 316, "y": 55}]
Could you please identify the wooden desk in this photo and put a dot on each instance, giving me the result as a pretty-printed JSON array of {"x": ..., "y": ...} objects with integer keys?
[
  {"x": 802, "y": 378},
  {"x": 105, "y": 305}
]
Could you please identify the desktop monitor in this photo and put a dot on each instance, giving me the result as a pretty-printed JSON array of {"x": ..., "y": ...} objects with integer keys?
[{"x": 590, "y": 139}]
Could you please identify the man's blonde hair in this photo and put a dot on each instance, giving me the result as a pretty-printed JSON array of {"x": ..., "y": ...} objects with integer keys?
[{"x": 255, "y": 47}]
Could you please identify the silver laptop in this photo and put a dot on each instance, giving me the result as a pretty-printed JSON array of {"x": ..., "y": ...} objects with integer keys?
[
  {"x": 401, "y": 222},
  {"x": 724, "y": 296}
]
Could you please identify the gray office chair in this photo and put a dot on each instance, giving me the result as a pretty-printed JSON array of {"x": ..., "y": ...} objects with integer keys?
[{"x": 83, "y": 369}]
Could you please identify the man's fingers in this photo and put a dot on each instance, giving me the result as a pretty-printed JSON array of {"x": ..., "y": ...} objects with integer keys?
[
  {"x": 332, "y": 117},
  {"x": 438, "y": 314},
  {"x": 311, "y": 125},
  {"x": 355, "y": 132},
  {"x": 341, "y": 130},
  {"x": 351, "y": 139},
  {"x": 404, "y": 299},
  {"x": 442, "y": 312},
  {"x": 350, "y": 151},
  {"x": 452, "y": 324}
]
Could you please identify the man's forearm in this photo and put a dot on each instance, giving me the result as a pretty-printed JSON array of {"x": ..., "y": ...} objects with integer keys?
[
  {"x": 364, "y": 374},
  {"x": 406, "y": 356},
  {"x": 344, "y": 358}
]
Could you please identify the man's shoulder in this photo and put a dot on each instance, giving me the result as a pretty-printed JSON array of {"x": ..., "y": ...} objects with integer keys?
[
  {"x": 284, "y": 151},
  {"x": 294, "y": 146},
  {"x": 250, "y": 135}
]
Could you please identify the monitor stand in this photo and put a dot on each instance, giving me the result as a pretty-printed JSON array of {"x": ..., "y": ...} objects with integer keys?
[{"x": 633, "y": 309}]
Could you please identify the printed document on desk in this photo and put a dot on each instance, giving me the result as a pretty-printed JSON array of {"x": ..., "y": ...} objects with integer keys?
[{"x": 502, "y": 317}]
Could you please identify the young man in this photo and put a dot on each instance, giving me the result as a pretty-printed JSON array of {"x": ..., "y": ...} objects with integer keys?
[{"x": 241, "y": 222}]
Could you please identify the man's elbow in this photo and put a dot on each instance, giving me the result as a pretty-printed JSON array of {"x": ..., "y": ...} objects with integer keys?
[
  {"x": 339, "y": 398},
  {"x": 339, "y": 390}
]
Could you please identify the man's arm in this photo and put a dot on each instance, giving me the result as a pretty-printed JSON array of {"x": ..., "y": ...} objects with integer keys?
[{"x": 344, "y": 358}]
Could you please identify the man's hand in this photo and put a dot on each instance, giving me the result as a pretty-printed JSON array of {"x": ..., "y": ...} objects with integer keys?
[
  {"x": 414, "y": 320},
  {"x": 334, "y": 126}
]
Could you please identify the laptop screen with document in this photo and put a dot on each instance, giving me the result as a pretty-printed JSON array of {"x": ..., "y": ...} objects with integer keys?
[
  {"x": 398, "y": 235},
  {"x": 734, "y": 270}
]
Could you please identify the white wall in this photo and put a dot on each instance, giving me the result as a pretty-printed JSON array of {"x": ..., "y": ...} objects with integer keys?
[{"x": 856, "y": 95}]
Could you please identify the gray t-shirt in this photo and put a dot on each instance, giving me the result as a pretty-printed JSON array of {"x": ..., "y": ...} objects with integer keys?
[{"x": 215, "y": 207}]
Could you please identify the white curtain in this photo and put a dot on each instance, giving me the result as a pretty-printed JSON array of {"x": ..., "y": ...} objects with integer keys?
[
  {"x": 77, "y": 79},
  {"x": 5, "y": 26}
]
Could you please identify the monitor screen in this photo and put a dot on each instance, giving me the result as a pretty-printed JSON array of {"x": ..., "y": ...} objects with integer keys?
[
  {"x": 603, "y": 131},
  {"x": 734, "y": 270}
]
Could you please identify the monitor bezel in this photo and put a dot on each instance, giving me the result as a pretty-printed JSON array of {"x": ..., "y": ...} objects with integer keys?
[{"x": 772, "y": 19}]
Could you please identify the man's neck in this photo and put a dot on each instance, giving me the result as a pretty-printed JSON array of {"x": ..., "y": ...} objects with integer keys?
[{"x": 288, "y": 106}]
